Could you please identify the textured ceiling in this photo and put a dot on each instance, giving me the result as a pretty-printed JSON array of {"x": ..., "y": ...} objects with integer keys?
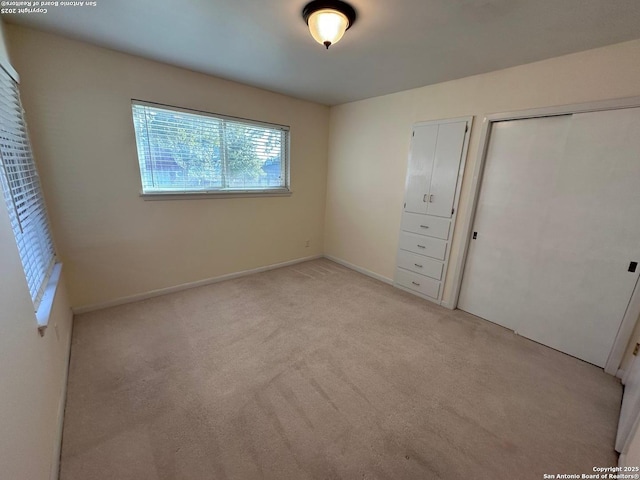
[{"x": 393, "y": 46}]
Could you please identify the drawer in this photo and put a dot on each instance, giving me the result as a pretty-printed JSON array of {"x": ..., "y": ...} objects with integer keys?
[
  {"x": 431, "y": 247},
  {"x": 420, "y": 264},
  {"x": 418, "y": 283},
  {"x": 426, "y": 225}
]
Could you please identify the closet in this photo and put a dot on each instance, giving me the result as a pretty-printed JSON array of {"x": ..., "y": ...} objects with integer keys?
[{"x": 554, "y": 247}]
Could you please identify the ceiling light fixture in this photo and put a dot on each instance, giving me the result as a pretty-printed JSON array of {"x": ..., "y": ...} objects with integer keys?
[{"x": 328, "y": 20}]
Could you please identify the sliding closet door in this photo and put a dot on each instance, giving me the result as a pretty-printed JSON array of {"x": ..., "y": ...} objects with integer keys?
[
  {"x": 512, "y": 208},
  {"x": 558, "y": 229}
]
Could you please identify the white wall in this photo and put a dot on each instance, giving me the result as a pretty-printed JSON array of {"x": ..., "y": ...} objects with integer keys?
[
  {"x": 369, "y": 142},
  {"x": 114, "y": 243},
  {"x": 32, "y": 369}
]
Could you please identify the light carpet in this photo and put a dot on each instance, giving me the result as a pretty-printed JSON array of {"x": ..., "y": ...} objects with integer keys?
[{"x": 314, "y": 371}]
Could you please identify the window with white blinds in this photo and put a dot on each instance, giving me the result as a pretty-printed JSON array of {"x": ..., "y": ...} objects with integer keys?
[
  {"x": 22, "y": 191},
  {"x": 184, "y": 151}
]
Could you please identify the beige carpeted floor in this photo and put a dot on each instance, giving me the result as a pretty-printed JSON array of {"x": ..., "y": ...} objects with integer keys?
[{"x": 317, "y": 372}]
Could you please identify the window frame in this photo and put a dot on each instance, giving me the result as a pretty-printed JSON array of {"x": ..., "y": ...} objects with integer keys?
[{"x": 284, "y": 191}]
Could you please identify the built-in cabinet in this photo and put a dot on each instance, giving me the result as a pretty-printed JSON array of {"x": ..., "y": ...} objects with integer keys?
[{"x": 434, "y": 175}]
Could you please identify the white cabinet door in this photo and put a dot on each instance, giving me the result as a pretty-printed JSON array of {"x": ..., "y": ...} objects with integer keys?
[
  {"x": 423, "y": 147},
  {"x": 557, "y": 226},
  {"x": 445, "y": 169}
]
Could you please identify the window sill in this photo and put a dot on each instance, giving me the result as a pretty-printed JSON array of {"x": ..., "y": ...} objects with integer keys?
[
  {"x": 46, "y": 304},
  {"x": 205, "y": 195}
]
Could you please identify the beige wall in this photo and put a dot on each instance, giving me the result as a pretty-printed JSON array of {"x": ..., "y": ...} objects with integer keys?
[
  {"x": 32, "y": 369},
  {"x": 369, "y": 142},
  {"x": 115, "y": 244}
]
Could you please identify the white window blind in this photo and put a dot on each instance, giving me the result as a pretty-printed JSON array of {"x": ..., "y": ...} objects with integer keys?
[
  {"x": 182, "y": 151},
  {"x": 22, "y": 191}
]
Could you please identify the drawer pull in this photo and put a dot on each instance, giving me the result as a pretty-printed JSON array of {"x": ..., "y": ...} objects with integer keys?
[
  {"x": 424, "y": 226},
  {"x": 416, "y": 283},
  {"x": 421, "y": 246},
  {"x": 419, "y": 266}
]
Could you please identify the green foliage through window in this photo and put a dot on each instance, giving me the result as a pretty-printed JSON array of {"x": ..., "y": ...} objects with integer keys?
[{"x": 184, "y": 152}]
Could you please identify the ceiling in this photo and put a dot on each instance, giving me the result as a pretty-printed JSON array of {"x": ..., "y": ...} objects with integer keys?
[{"x": 394, "y": 45}]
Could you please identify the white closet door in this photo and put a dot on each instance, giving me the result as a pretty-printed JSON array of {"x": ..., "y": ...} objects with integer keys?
[
  {"x": 423, "y": 147},
  {"x": 558, "y": 223},
  {"x": 445, "y": 169},
  {"x": 510, "y": 215}
]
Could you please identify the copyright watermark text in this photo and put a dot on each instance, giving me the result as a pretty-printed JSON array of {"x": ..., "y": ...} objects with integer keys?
[
  {"x": 599, "y": 473},
  {"x": 44, "y": 6}
]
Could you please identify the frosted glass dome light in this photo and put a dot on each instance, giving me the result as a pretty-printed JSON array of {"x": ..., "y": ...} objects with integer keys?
[
  {"x": 328, "y": 20},
  {"x": 327, "y": 26}
]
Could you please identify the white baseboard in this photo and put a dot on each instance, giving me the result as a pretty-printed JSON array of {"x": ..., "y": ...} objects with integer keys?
[
  {"x": 55, "y": 463},
  {"x": 358, "y": 269},
  {"x": 186, "y": 286}
]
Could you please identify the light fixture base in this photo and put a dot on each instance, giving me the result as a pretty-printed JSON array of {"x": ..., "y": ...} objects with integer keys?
[{"x": 338, "y": 5}]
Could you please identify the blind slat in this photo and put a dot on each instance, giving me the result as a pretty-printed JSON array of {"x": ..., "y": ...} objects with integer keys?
[{"x": 23, "y": 192}]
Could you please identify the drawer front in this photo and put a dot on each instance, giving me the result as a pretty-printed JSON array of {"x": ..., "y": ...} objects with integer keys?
[
  {"x": 431, "y": 247},
  {"x": 420, "y": 264},
  {"x": 426, "y": 225},
  {"x": 418, "y": 283}
]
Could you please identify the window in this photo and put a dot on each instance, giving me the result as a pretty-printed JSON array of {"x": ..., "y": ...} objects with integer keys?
[
  {"x": 23, "y": 193},
  {"x": 187, "y": 152}
]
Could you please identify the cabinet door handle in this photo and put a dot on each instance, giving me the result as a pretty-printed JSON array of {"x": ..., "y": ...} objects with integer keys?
[
  {"x": 424, "y": 198},
  {"x": 419, "y": 266},
  {"x": 416, "y": 283},
  {"x": 431, "y": 198},
  {"x": 424, "y": 226},
  {"x": 421, "y": 246}
]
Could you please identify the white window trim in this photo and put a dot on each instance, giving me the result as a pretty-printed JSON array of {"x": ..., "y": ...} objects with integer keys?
[
  {"x": 45, "y": 307},
  {"x": 280, "y": 192},
  {"x": 43, "y": 314},
  {"x": 285, "y": 191}
]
